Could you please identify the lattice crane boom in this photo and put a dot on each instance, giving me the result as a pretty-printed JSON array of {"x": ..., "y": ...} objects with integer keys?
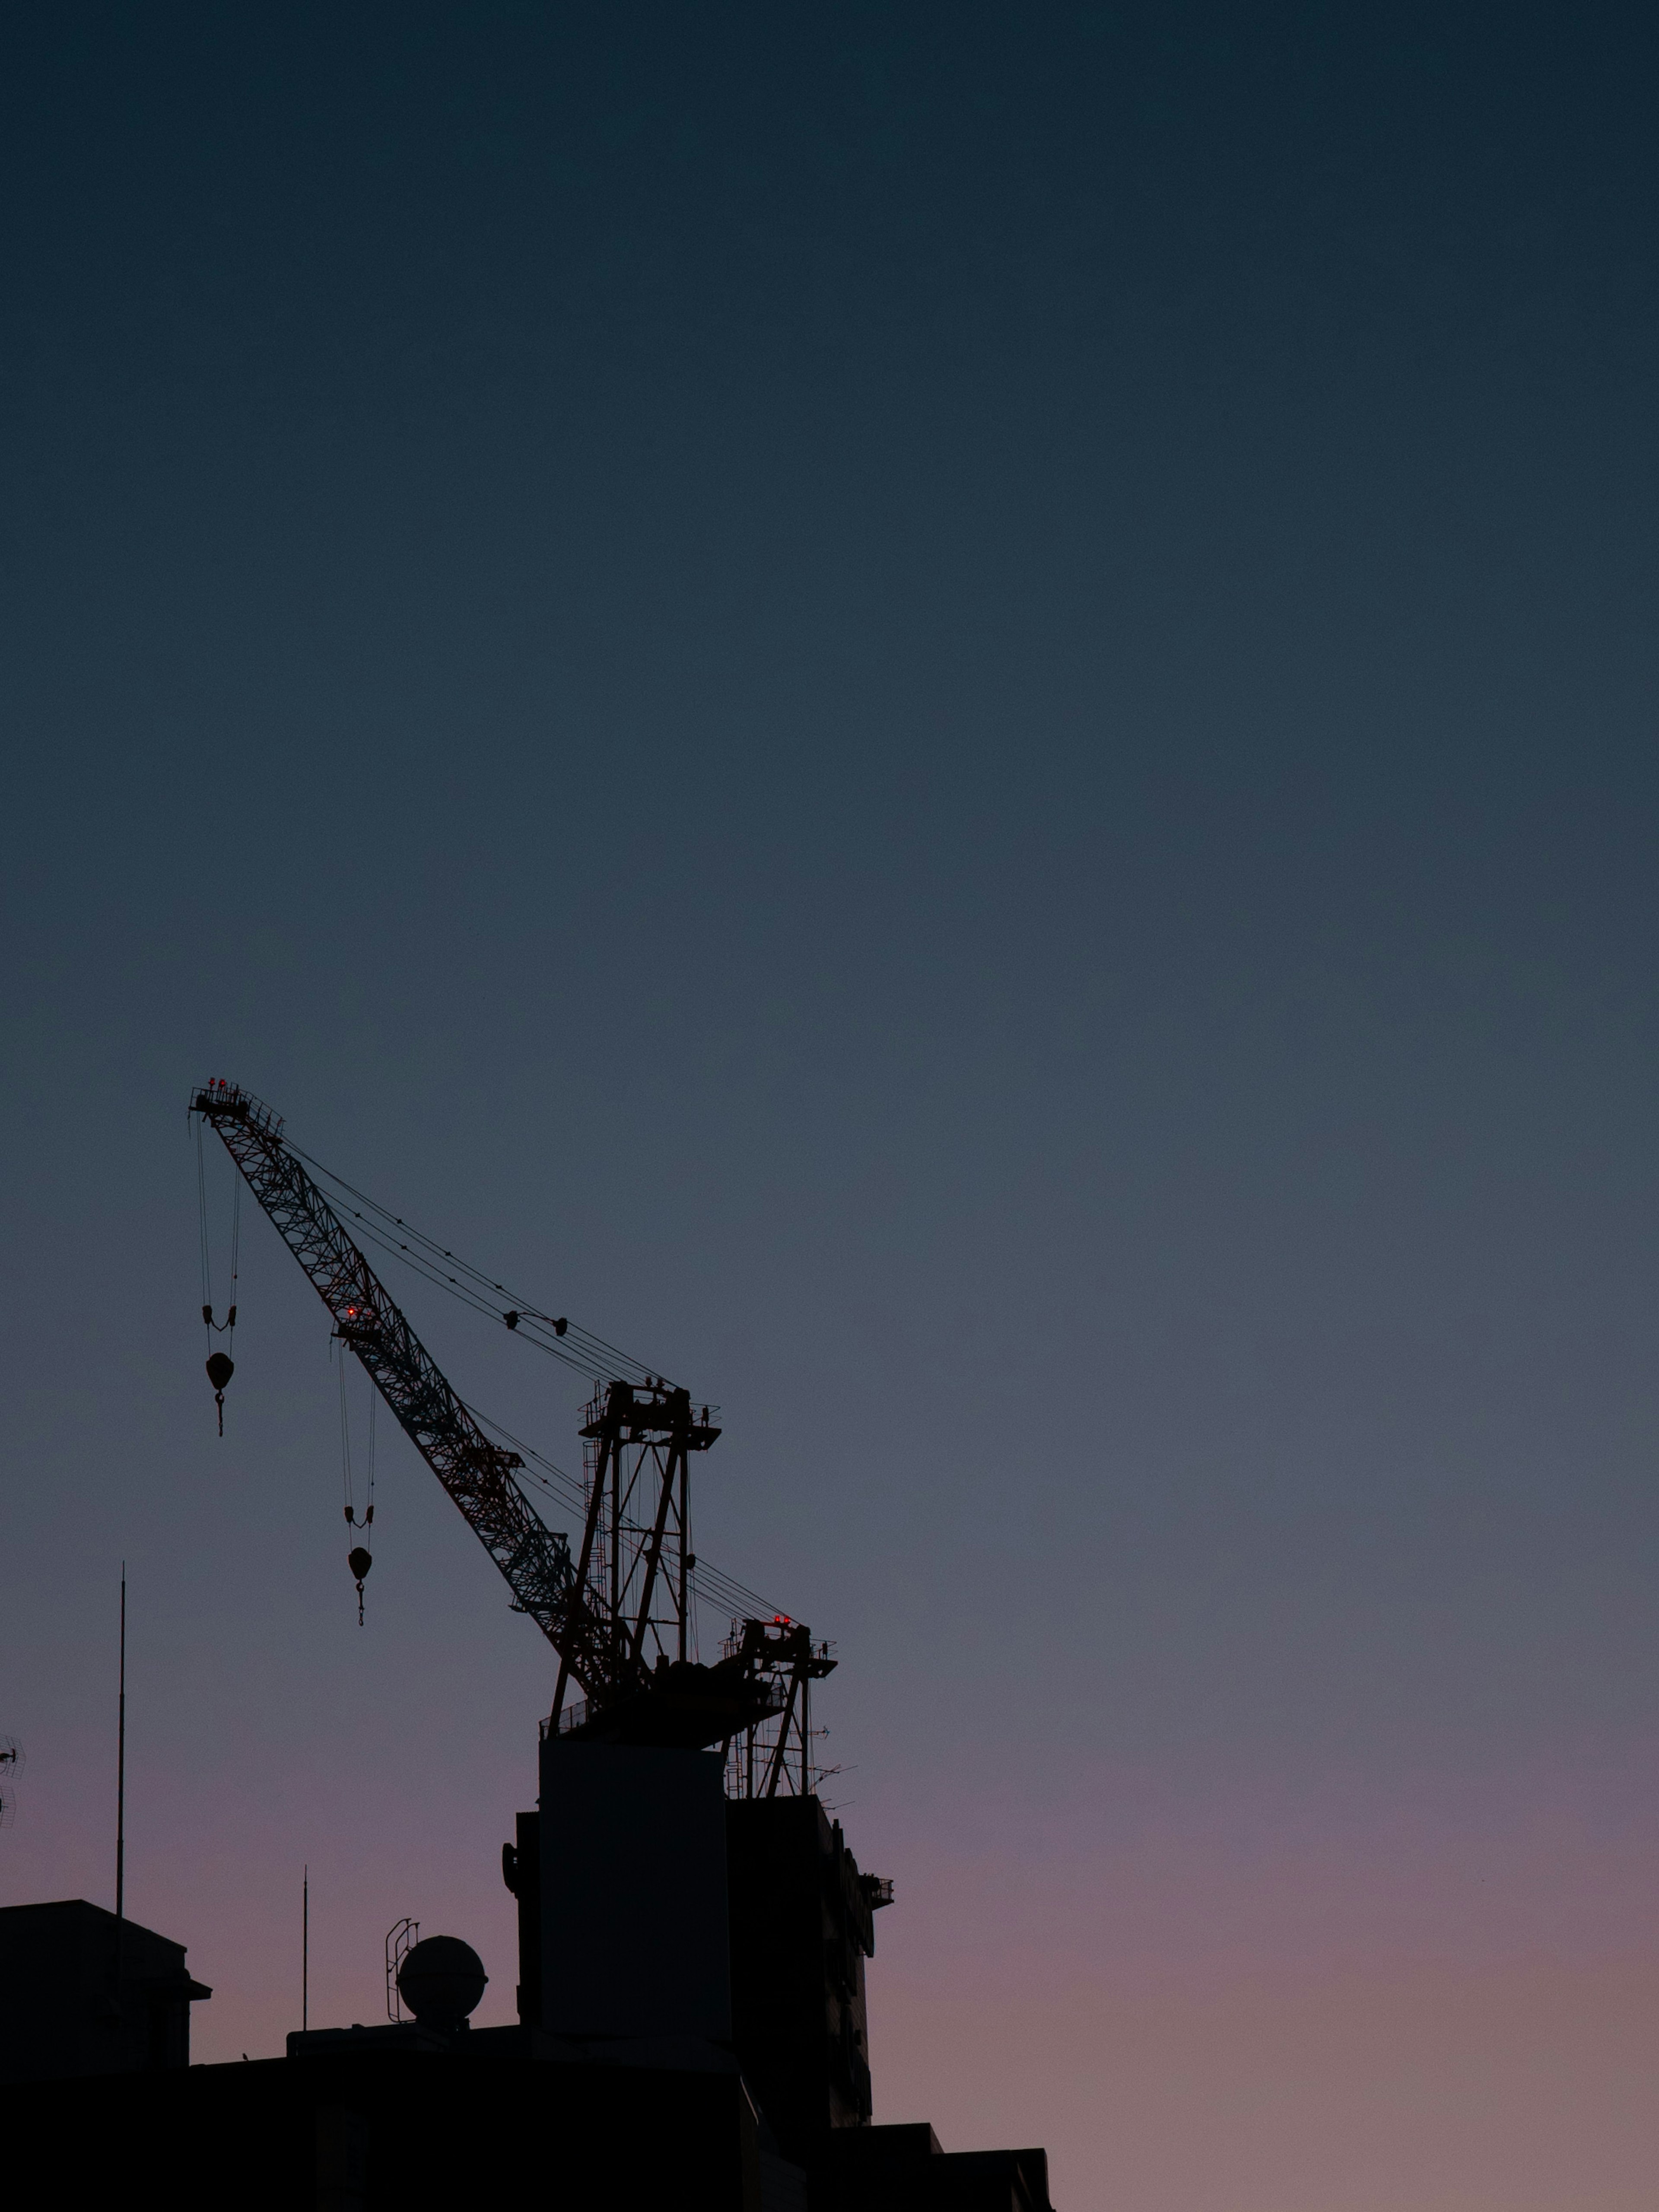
[{"x": 477, "y": 1473}]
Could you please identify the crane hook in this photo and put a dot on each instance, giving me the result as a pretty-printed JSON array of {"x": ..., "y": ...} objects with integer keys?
[
  {"x": 360, "y": 1563},
  {"x": 220, "y": 1369}
]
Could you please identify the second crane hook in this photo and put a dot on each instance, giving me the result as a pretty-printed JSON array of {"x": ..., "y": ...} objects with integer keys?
[
  {"x": 220, "y": 1369},
  {"x": 360, "y": 1563}
]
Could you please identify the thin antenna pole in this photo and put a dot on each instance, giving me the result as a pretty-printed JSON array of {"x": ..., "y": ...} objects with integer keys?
[
  {"x": 305, "y": 1951},
  {"x": 683, "y": 1543},
  {"x": 121, "y": 1767}
]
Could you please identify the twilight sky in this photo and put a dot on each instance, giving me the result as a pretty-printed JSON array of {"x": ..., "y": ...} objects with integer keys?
[{"x": 946, "y": 713}]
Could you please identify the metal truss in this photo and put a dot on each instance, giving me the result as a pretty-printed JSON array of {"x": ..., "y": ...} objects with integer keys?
[
  {"x": 534, "y": 1561},
  {"x": 773, "y": 1754},
  {"x": 634, "y": 1561}
]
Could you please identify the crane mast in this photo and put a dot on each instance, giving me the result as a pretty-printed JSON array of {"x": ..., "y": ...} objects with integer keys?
[{"x": 596, "y": 1609}]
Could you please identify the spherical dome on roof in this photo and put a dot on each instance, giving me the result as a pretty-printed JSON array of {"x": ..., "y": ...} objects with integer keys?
[{"x": 441, "y": 1980}]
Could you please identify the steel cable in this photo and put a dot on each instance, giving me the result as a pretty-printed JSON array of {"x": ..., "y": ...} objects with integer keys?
[{"x": 581, "y": 1349}]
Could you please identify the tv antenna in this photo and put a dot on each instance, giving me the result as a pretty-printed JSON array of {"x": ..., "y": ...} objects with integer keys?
[{"x": 12, "y": 1766}]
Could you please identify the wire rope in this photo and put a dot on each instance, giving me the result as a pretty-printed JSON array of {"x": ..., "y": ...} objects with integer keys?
[
  {"x": 235, "y": 1245},
  {"x": 228, "y": 1327},
  {"x": 201, "y": 1217},
  {"x": 582, "y": 1350}
]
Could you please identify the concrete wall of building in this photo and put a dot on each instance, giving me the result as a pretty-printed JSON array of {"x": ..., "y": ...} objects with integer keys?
[
  {"x": 800, "y": 1930},
  {"x": 380, "y": 2133},
  {"x": 82, "y": 1992},
  {"x": 635, "y": 1941}
]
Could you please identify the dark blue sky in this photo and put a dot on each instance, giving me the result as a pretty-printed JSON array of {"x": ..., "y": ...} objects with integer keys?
[{"x": 947, "y": 713}]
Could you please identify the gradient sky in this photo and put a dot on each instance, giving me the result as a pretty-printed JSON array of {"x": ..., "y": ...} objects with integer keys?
[{"x": 946, "y": 713}]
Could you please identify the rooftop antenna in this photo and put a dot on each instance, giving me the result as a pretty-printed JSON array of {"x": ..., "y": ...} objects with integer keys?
[
  {"x": 121, "y": 1767},
  {"x": 12, "y": 1766},
  {"x": 400, "y": 1940},
  {"x": 305, "y": 1950}
]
